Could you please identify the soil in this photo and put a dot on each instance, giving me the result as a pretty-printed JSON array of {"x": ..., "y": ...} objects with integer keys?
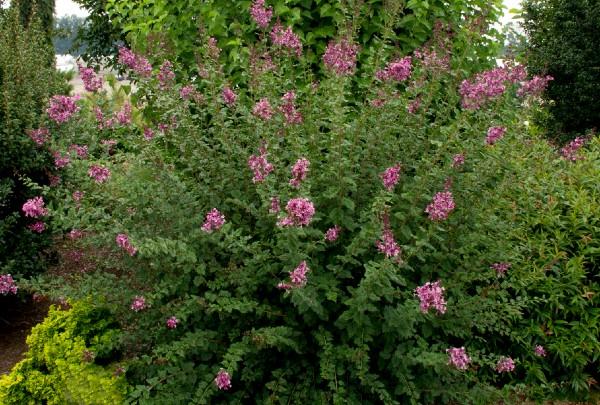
[{"x": 17, "y": 316}]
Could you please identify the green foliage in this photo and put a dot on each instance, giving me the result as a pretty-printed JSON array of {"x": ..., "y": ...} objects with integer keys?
[
  {"x": 177, "y": 28},
  {"x": 37, "y": 9},
  {"x": 59, "y": 366},
  {"x": 564, "y": 41},
  {"x": 26, "y": 83}
]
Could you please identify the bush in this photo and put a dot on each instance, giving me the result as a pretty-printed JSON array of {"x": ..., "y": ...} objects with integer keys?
[
  {"x": 282, "y": 242},
  {"x": 59, "y": 366},
  {"x": 26, "y": 83},
  {"x": 564, "y": 42}
]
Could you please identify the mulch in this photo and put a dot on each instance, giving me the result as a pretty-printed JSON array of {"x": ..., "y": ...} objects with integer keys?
[{"x": 18, "y": 314}]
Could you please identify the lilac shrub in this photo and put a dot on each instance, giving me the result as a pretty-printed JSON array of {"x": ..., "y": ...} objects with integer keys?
[{"x": 296, "y": 245}]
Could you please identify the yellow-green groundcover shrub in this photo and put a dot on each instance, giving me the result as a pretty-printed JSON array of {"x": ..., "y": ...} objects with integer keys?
[{"x": 60, "y": 366}]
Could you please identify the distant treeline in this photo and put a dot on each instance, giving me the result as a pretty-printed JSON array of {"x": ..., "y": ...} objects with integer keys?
[{"x": 65, "y": 35}]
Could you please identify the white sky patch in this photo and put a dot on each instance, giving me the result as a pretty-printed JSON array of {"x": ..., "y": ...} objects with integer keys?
[{"x": 68, "y": 7}]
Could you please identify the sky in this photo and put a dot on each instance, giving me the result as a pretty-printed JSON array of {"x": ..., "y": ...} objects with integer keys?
[{"x": 68, "y": 7}]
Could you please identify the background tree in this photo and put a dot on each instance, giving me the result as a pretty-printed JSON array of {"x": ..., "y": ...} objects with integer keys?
[
  {"x": 564, "y": 42},
  {"x": 65, "y": 35}
]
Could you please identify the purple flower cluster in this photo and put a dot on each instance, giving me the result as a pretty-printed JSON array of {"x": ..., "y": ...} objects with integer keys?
[
  {"x": 297, "y": 277},
  {"x": 7, "y": 285},
  {"x": 148, "y": 133},
  {"x": 166, "y": 76},
  {"x": 414, "y": 106},
  {"x": 484, "y": 87},
  {"x": 501, "y": 268},
  {"x": 137, "y": 63},
  {"x": 332, "y": 233},
  {"x": 340, "y": 57},
  {"x": 275, "y": 205},
  {"x": 260, "y": 14},
  {"x": 457, "y": 357},
  {"x": 62, "y": 108},
  {"x": 398, "y": 70},
  {"x": 123, "y": 242},
  {"x": 172, "y": 322},
  {"x": 213, "y": 221},
  {"x": 223, "y": 380},
  {"x": 494, "y": 134},
  {"x": 286, "y": 39},
  {"x": 186, "y": 92},
  {"x": 123, "y": 116},
  {"x": 571, "y": 151},
  {"x": 539, "y": 351},
  {"x": 288, "y": 109},
  {"x": 458, "y": 160},
  {"x": 91, "y": 81},
  {"x": 431, "y": 295},
  {"x": 99, "y": 173},
  {"x": 262, "y": 109},
  {"x": 535, "y": 86},
  {"x": 300, "y": 212},
  {"x": 299, "y": 172},
  {"x": 260, "y": 166},
  {"x": 75, "y": 234},
  {"x": 37, "y": 226},
  {"x": 432, "y": 60},
  {"x": 229, "y": 97},
  {"x": 39, "y": 136},
  {"x": 505, "y": 365},
  {"x": 61, "y": 161},
  {"x": 138, "y": 304},
  {"x": 34, "y": 207},
  {"x": 390, "y": 177},
  {"x": 441, "y": 206},
  {"x": 387, "y": 245},
  {"x": 80, "y": 150}
]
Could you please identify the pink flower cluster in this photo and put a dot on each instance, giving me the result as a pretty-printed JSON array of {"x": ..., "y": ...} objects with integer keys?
[
  {"x": 387, "y": 245},
  {"x": 137, "y": 63},
  {"x": 441, "y": 206},
  {"x": 288, "y": 109},
  {"x": 148, "y": 133},
  {"x": 123, "y": 116},
  {"x": 34, "y": 207},
  {"x": 297, "y": 277},
  {"x": 80, "y": 150},
  {"x": 571, "y": 151},
  {"x": 431, "y": 295},
  {"x": 432, "y": 60},
  {"x": 535, "y": 86},
  {"x": 539, "y": 351},
  {"x": 340, "y": 57},
  {"x": 390, "y": 177},
  {"x": 166, "y": 76},
  {"x": 91, "y": 81},
  {"x": 223, "y": 380},
  {"x": 37, "y": 226},
  {"x": 172, "y": 322},
  {"x": 61, "y": 161},
  {"x": 484, "y": 87},
  {"x": 39, "y": 136},
  {"x": 505, "y": 365},
  {"x": 275, "y": 205},
  {"x": 214, "y": 221},
  {"x": 123, "y": 242},
  {"x": 500, "y": 268},
  {"x": 75, "y": 234},
  {"x": 332, "y": 233},
  {"x": 299, "y": 172},
  {"x": 7, "y": 285},
  {"x": 229, "y": 97},
  {"x": 99, "y": 173},
  {"x": 458, "y": 160},
  {"x": 457, "y": 357},
  {"x": 186, "y": 92},
  {"x": 300, "y": 212},
  {"x": 414, "y": 106},
  {"x": 494, "y": 134},
  {"x": 398, "y": 70},
  {"x": 262, "y": 109},
  {"x": 62, "y": 108},
  {"x": 138, "y": 304},
  {"x": 260, "y": 14},
  {"x": 260, "y": 166},
  {"x": 286, "y": 39}
]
